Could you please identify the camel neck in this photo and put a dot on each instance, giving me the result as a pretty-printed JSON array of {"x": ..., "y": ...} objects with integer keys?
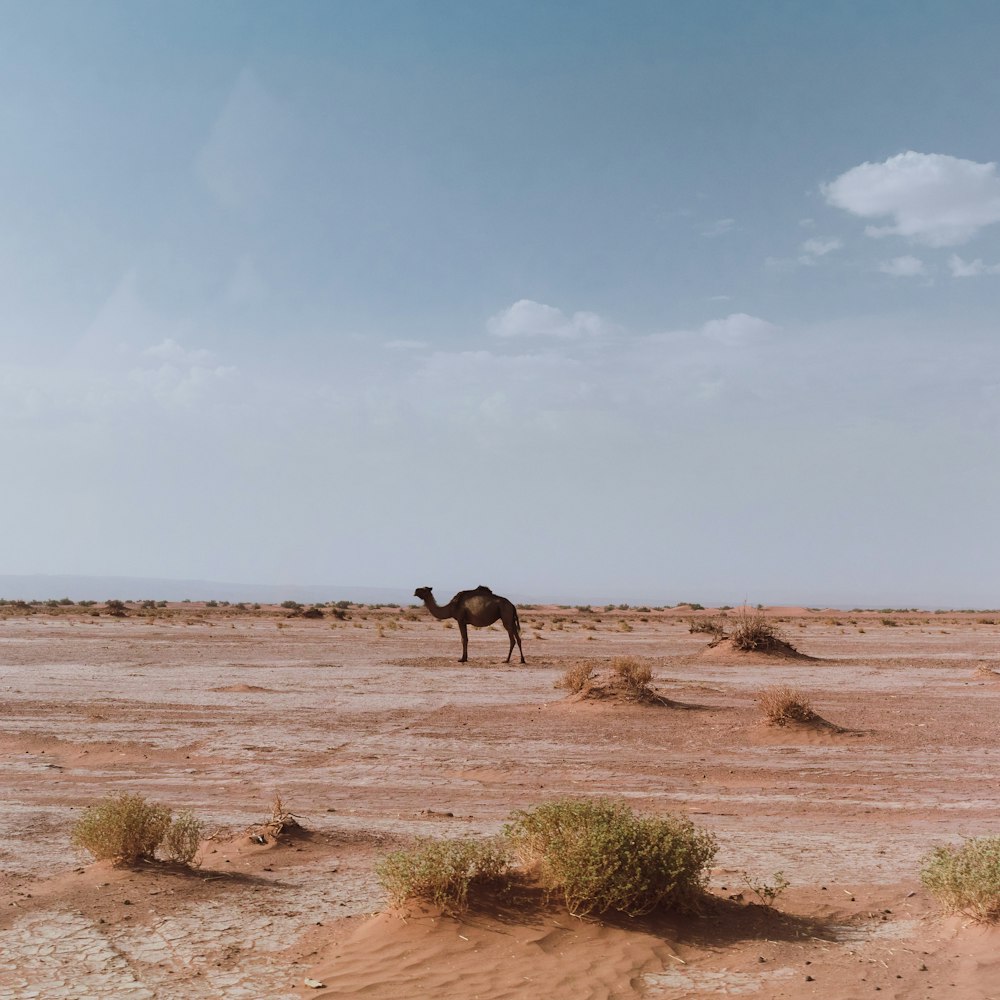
[{"x": 435, "y": 610}]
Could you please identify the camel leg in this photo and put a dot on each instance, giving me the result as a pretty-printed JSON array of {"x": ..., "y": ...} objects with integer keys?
[
  {"x": 514, "y": 634},
  {"x": 464, "y": 629}
]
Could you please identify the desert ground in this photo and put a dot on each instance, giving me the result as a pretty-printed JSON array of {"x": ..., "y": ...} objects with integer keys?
[{"x": 373, "y": 735}]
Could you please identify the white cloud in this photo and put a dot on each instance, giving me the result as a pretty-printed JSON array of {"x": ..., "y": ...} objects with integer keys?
[
  {"x": 527, "y": 318},
  {"x": 405, "y": 345},
  {"x": 172, "y": 353},
  {"x": 737, "y": 328},
  {"x": 820, "y": 248},
  {"x": 903, "y": 267},
  {"x": 718, "y": 228},
  {"x": 932, "y": 198},
  {"x": 970, "y": 268}
]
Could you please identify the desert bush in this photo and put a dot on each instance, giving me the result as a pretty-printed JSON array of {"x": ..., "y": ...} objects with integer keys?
[
  {"x": 443, "y": 871},
  {"x": 122, "y": 828},
  {"x": 576, "y": 677},
  {"x": 632, "y": 677},
  {"x": 313, "y": 612},
  {"x": 751, "y": 630},
  {"x": 116, "y": 608},
  {"x": 712, "y": 626},
  {"x": 183, "y": 838},
  {"x": 966, "y": 879},
  {"x": 599, "y": 856},
  {"x": 783, "y": 704}
]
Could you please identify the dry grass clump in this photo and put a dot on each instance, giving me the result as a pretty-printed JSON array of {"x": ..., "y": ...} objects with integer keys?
[
  {"x": 599, "y": 856},
  {"x": 442, "y": 872},
  {"x": 712, "y": 626},
  {"x": 125, "y": 828},
  {"x": 966, "y": 879},
  {"x": 750, "y": 630},
  {"x": 576, "y": 678},
  {"x": 632, "y": 677},
  {"x": 783, "y": 704}
]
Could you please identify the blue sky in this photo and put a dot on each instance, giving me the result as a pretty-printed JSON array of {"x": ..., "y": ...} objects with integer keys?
[{"x": 644, "y": 301}]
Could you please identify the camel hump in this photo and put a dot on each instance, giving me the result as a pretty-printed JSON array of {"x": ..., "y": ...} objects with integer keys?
[{"x": 482, "y": 590}]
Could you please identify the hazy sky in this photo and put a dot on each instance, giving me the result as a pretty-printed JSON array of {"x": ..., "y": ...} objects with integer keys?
[{"x": 629, "y": 300}]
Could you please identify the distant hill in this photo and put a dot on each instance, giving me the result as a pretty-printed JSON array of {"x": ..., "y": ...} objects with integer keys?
[{"x": 130, "y": 588}]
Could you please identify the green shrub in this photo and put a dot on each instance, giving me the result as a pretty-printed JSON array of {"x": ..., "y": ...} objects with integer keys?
[
  {"x": 966, "y": 879},
  {"x": 442, "y": 871},
  {"x": 122, "y": 828},
  {"x": 183, "y": 838},
  {"x": 600, "y": 856}
]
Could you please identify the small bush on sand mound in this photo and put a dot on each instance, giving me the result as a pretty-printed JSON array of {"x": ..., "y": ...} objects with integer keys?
[
  {"x": 183, "y": 838},
  {"x": 751, "y": 631},
  {"x": 122, "y": 828},
  {"x": 599, "y": 856},
  {"x": 576, "y": 678},
  {"x": 782, "y": 705},
  {"x": 443, "y": 871},
  {"x": 632, "y": 677},
  {"x": 966, "y": 879}
]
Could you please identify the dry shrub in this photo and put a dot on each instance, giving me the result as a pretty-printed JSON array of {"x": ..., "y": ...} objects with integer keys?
[
  {"x": 599, "y": 856},
  {"x": 966, "y": 879},
  {"x": 632, "y": 677},
  {"x": 443, "y": 871},
  {"x": 711, "y": 626},
  {"x": 281, "y": 818},
  {"x": 183, "y": 838},
  {"x": 576, "y": 678},
  {"x": 752, "y": 631},
  {"x": 122, "y": 828},
  {"x": 783, "y": 704}
]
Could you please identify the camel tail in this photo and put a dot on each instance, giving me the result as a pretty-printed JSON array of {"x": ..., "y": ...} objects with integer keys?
[{"x": 517, "y": 623}]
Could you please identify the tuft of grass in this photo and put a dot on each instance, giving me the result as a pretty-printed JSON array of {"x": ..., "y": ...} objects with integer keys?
[
  {"x": 183, "y": 838},
  {"x": 576, "y": 678},
  {"x": 966, "y": 879},
  {"x": 599, "y": 856},
  {"x": 122, "y": 828},
  {"x": 783, "y": 704},
  {"x": 750, "y": 630},
  {"x": 632, "y": 677},
  {"x": 442, "y": 872}
]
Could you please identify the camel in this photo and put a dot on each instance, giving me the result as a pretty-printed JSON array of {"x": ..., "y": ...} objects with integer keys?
[{"x": 479, "y": 607}]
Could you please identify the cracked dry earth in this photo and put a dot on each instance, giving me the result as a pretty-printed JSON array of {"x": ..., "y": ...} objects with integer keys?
[{"x": 372, "y": 734}]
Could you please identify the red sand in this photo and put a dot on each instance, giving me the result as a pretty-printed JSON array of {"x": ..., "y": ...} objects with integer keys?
[{"x": 372, "y": 733}]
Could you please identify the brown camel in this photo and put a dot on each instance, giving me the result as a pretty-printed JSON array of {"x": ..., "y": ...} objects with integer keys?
[{"x": 479, "y": 607}]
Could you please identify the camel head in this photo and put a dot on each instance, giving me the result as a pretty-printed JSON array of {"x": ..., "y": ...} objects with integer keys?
[{"x": 424, "y": 593}]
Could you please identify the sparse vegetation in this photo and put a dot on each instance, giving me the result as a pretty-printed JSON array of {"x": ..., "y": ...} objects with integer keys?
[
  {"x": 632, "y": 677},
  {"x": 123, "y": 828},
  {"x": 766, "y": 892},
  {"x": 116, "y": 608},
  {"x": 750, "y": 630},
  {"x": 711, "y": 626},
  {"x": 442, "y": 872},
  {"x": 599, "y": 856},
  {"x": 783, "y": 704},
  {"x": 966, "y": 879},
  {"x": 577, "y": 677},
  {"x": 183, "y": 838}
]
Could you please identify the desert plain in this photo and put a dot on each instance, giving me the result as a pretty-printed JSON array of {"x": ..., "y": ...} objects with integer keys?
[{"x": 371, "y": 735}]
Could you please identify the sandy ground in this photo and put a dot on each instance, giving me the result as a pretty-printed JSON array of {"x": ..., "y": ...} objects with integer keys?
[{"x": 372, "y": 734}]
